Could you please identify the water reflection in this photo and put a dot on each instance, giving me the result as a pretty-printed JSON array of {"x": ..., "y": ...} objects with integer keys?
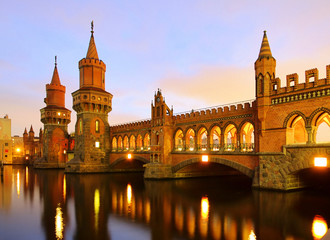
[
  {"x": 320, "y": 227},
  {"x": 104, "y": 206}
]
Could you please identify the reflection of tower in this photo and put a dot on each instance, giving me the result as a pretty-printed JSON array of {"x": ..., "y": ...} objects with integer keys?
[
  {"x": 92, "y": 104},
  {"x": 55, "y": 118}
]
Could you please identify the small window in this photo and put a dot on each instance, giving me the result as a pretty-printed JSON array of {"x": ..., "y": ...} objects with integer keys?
[
  {"x": 6, "y": 144},
  {"x": 292, "y": 84},
  {"x": 5, "y": 155},
  {"x": 80, "y": 126},
  {"x": 275, "y": 87},
  {"x": 97, "y": 126},
  {"x": 158, "y": 111}
]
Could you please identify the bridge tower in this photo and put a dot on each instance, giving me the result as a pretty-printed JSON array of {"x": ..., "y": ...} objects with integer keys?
[
  {"x": 264, "y": 75},
  {"x": 55, "y": 118},
  {"x": 161, "y": 139},
  {"x": 92, "y": 104}
]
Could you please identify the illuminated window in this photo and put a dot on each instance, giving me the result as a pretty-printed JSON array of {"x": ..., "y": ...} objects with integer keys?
[
  {"x": 97, "y": 144},
  {"x": 97, "y": 126}
]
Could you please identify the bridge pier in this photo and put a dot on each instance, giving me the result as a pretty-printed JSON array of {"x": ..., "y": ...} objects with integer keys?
[{"x": 158, "y": 171}]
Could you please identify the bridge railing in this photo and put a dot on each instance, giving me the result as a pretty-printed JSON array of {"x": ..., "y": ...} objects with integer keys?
[
  {"x": 216, "y": 148},
  {"x": 131, "y": 149}
]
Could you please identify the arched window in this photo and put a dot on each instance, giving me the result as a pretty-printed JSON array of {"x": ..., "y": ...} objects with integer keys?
[
  {"x": 296, "y": 130},
  {"x": 114, "y": 144},
  {"x": 230, "y": 138},
  {"x": 139, "y": 142},
  {"x": 190, "y": 140},
  {"x": 215, "y": 138},
  {"x": 132, "y": 143},
  {"x": 126, "y": 143},
  {"x": 80, "y": 126},
  {"x": 202, "y": 139},
  {"x": 120, "y": 143},
  {"x": 247, "y": 137},
  {"x": 146, "y": 141},
  {"x": 97, "y": 126},
  {"x": 322, "y": 133},
  {"x": 178, "y": 140}
]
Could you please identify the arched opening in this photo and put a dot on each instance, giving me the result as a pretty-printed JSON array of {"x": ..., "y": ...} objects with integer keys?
[
  {"x": 132, "y": 143},
  {"x": 126, "y": 143},
  {"x": 314, "y": 178},
  {"x": 215, "y": 138},
  {"x": 114, "y": 144},
  {"x": 190, "y": 140},
  {"x": 146, "y": 142},
  {"x": 247, "y": 137},
  {"x": 120, "y": 143},
  {"x": 230, "y": 138},
  {"x": 202, "y": 139},
  {"x": 139, "y": 143},
  {"x": 178, "y": 140},
  {"x": 134, "y": 164},
  {"x": 296, "y": 130},
  {"x": 322, "y": 133}
]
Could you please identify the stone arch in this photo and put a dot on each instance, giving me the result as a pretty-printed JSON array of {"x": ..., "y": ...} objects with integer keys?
[
  {"x": 199, "y": 134},
  {"x": 177, "y": 129},
  {"x": 146, "y": 141},
  {"x": 230, "y": 136},
  {"x": 125, "y": 142},
  {"x": 190, "y": 139},
  {"x": 247, "y": 135},
  {"x": 289, "y": 118},
  {"x": 132, "y": 140},
  {"x": 114, "y": 143},
  {"x": 141, "y": 159},
  {"x": 139, "y": 142},
  {"x": 239, "y": 167},
  {"x": 215, "y": 143},
  {"x": 120, "y": 143},
  {"x": 318, "y": 112}
]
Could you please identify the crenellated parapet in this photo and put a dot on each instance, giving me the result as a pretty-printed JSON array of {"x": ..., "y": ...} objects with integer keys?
[
  {"x": 131, "y": 126},
  {"x": 313, "y": 87},
  {"x": 91, "y": 62},
  {"x": 222, "y": 111}
]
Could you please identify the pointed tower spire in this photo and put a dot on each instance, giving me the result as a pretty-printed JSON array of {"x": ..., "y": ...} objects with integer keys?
[
  {"x": 31, "y": 129},
  {"x": 264, "y": 49},
  {"x": 56, "y": 78},
  {"x": 92, "y": 52},
  {"x": 25, "y": 132}
]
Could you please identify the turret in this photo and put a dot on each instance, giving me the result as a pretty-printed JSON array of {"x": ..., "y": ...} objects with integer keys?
[
  {"x": 264, "y": 69},
  {"x": 31, "y": 133},
  {"x": 92, "y": 70},
  {"x": 25, "y": 136}
]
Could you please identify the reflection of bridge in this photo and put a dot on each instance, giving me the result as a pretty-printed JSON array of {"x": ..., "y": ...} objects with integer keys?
[{"x": 268, "y": 139}]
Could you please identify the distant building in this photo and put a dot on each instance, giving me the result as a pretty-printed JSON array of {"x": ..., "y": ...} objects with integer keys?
[
  {"x": 5, "y": 140},
  {"x": 17, "y": 149},
  {"x": 32, "y": 146}
]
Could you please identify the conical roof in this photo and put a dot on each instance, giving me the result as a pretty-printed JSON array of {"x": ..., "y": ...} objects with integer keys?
[
  {"x": 25, "y": 132},
  {"x": 56, "y": 78},
  {"x": 265, "y": 48},
  {"x": 92, "y": 52},
  {"x": 31, "y": 129}
]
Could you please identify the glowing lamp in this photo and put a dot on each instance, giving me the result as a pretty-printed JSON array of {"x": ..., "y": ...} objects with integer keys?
[
  {"x": 205, "y": 158},
  {"x": 18, "y": 150},
  {"x": 320, "y": 227},
  {"x": 27, "y": 158},
  {"x": 59, "y": 113},
  {"x": 320, "y": 162},
  {"x": 97, "y": 144},
  {"x": 129, "y": 156},
  {"x": 64, "y": 151}
]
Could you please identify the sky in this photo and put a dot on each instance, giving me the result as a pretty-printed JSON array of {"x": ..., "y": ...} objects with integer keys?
[{"x": 199, "y": 53}]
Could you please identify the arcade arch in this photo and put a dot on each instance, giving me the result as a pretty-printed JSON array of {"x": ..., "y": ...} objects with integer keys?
[
  {"x": 202, "y": 139},
  {"x": 215, "y": 138},
  {"x": 247, "y": 137},
  {"x": 230, "y": 137},
  {"x": 190, "y": 139},
  {"x": 178, "y": 140}
]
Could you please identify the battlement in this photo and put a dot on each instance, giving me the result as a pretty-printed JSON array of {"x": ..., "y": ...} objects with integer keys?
[
  {"x": 231, "y": 109},
  {"x": 129, "y": 126},
  {"x": 292, "y": 82},
  {"x": 55, "y": 87},
  {"x": 91, "y": 61}
]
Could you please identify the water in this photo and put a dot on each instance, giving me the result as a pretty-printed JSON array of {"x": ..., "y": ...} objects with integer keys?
[{"x": 48, "y": 204}]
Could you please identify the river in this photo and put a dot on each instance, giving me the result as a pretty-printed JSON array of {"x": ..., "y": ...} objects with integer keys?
[{"x": 48, "y": 204}]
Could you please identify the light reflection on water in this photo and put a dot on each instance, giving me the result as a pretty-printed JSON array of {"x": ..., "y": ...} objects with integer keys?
[{"x": 105, "y": 206}]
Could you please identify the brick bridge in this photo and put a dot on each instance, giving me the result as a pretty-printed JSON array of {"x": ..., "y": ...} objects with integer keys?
[{"x": 270, "y": 139}]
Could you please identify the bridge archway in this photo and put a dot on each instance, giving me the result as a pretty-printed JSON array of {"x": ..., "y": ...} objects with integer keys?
[
  {"x": 178, "y": 140},
  {"x": 134, "y": 164},
  {"x": 239, "y": 167},
  {"x": 202, "y": 138},
  {"x": 120, "y": 143},
  {"x": 190, "y": 139},
  {"x": 114, "y": 144},
  {"x": 139, "y": 142},
  {"x": 247, "y": 136}
]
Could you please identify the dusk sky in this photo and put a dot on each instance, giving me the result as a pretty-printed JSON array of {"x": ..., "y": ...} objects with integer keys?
[{"x": 199, "y": 53}]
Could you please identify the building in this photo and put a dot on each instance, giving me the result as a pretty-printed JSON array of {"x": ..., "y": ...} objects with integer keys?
[
  {"x": 55, "y": 118},
  {"x": 5, "y": 140},
  {"x": 18, "y": 150},
  {"x": 32, "y": 146},
  {"x": 270, "y": 139}
]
